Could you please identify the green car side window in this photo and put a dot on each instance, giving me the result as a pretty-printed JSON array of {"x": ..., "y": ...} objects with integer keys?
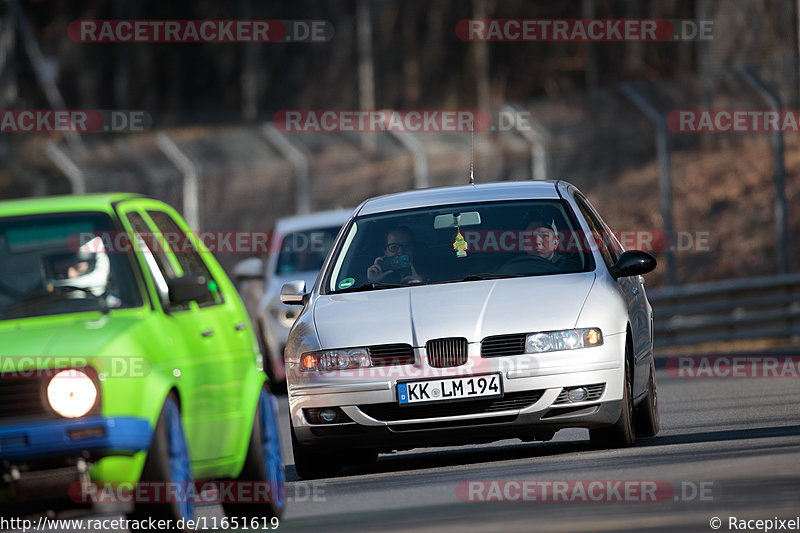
[
  {"x": 189, "y": 257},
  {"x": 159, "y": 266}
]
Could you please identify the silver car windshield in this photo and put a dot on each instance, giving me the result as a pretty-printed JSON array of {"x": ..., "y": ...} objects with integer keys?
[
  {"x": 465, "y": 242},
  {"x": 55, "y": 264}
]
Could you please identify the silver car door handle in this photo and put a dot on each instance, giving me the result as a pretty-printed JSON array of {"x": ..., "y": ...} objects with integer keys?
[
  {"x": 240, "y": 326},
  {"x": 207, "y": 332}
]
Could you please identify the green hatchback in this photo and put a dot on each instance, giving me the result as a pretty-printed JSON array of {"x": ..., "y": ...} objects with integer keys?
[{"x": 129, "y": 371}]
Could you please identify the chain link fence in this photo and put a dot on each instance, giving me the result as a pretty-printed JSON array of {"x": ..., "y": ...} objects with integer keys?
[{"x": 722, "y": 191}]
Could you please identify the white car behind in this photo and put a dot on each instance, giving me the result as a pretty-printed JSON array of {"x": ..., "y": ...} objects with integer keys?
[{"x": 305, "y": 241}]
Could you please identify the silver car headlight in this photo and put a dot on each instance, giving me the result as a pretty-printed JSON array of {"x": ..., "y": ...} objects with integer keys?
[
  {"x": 71, "y": 393},
  {"x": 329, "y": 360},
  {"x": 568, "y": 339}
]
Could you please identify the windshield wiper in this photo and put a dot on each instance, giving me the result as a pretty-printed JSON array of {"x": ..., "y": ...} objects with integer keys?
[
  {"x": 479, "y": 277},
  {"x": 483, "y": 276},
  {"x": 371, "y": 287}
]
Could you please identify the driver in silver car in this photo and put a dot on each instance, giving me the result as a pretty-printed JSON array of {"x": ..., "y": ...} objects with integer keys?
[
  {"x": 541, "y": 239},
  {"x": 396, "y": 265}
]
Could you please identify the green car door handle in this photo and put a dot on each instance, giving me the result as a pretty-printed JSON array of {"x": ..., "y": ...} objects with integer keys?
[
  {"x": 207, "y": 332},
  {"x": 240, "y": 326}
]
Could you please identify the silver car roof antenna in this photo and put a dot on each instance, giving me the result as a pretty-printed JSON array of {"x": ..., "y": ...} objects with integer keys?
[{"x": 472, "y": 153}]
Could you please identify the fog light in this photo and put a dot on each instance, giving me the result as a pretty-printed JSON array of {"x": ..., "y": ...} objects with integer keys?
[
  {"x": 577, "y": 395},
  {"x": 328, "y": 415}
]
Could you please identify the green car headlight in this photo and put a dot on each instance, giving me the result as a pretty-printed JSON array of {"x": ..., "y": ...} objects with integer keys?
[
  {"x": 329, "y": 360},
  {"x": 71, "y": 393},
  {"x": 568, "y": 339}
]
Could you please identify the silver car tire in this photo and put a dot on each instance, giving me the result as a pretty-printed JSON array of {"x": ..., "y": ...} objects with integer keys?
[
  {"x": 312, "y": 463},
  {"x": 620, "y": 434},
  {"x": 646, "y": 420}
]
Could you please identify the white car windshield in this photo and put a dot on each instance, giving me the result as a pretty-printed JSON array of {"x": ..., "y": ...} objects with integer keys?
[
  {"x": 465, "y": 242},
  {"x": 304, "y": 251}
]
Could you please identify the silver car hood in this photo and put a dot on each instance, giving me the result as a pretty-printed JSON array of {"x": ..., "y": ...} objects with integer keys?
[{"x": 474, "y": 310}]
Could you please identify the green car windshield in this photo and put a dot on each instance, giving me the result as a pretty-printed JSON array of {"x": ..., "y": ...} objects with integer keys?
[
  {"x": 465, "y": 242},
  {"x": 55, "y": 264}
]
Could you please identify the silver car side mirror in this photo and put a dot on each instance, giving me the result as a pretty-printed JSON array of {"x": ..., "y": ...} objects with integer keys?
[{"x": 294, "y": 293}]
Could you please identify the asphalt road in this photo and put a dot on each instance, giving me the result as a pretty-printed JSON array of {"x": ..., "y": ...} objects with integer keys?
[{"x": 727, "y": 448}]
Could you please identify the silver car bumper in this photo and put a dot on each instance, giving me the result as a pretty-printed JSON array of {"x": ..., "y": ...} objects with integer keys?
[{"x": 533, "y": 405}]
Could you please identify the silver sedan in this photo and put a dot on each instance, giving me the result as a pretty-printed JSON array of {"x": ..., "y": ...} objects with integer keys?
[{"x": 470, "y": 314}]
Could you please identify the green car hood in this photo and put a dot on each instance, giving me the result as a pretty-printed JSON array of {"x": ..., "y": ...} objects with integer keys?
[{"x": 68, "y": 340}]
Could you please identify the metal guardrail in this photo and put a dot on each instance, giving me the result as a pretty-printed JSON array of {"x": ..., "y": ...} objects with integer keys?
[{"x": 763, "y": 307}]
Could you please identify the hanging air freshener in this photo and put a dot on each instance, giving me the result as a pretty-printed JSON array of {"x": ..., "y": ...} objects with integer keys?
[{"x": 460, "y": 245}]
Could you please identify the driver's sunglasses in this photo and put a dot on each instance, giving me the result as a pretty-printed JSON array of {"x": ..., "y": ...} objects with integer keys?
[{"x": 396, "y": 246}]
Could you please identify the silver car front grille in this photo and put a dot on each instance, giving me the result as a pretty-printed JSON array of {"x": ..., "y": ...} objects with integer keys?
[
  {"x": 443, "y": 353},
  {"x": 501, "y": 345},
  {"x": 391, "y": 354}
]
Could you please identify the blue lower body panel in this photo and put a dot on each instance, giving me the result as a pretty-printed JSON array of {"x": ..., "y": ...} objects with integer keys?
[{"x": 59, "y": 438}]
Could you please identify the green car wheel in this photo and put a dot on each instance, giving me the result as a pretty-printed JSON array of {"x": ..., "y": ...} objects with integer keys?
[
  {"x": 168, "y": 462},
  {"x": 264, "y": 463}
]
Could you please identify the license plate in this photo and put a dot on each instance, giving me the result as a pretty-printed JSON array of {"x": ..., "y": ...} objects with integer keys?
[{"x": 438, "y": 390}]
